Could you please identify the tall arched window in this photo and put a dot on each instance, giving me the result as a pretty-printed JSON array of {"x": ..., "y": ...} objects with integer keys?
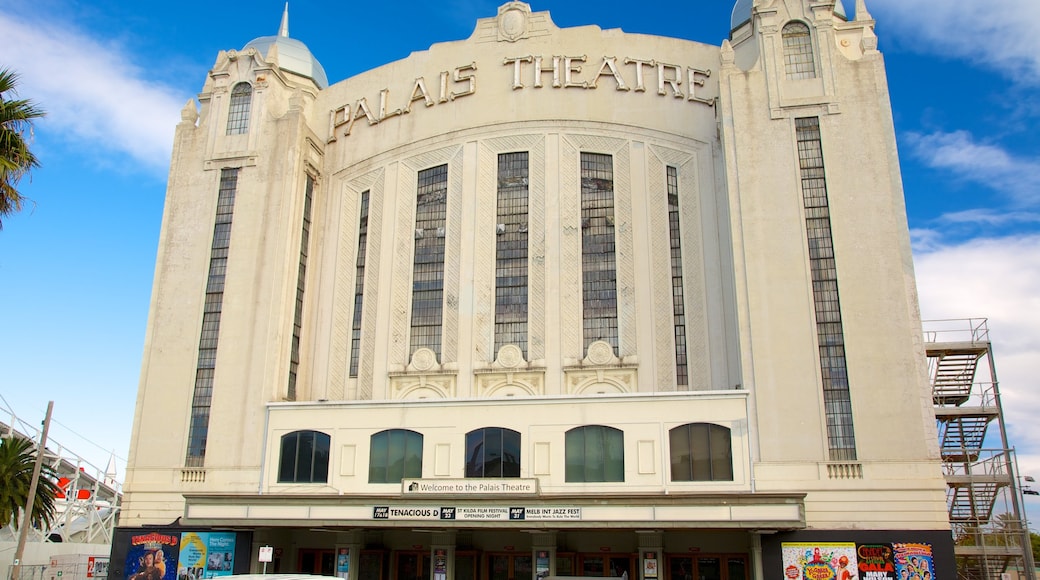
[
  {"x": 798, "y": 53},
  {"x": 493, "y": 452},
  {"x": 701, "y": 452},
  {"x": 595, "y": 453},
  {"x": 395, "y": 454},
  {"x": 238, "y": 112},
  {"x": 304, "y": 458}
]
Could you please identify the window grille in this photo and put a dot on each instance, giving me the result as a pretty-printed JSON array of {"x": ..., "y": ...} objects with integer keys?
[
  {"x": 798, "y": 52},
  {"x": 359, "y": 286},
  {"x": 428, "y": 266},
  {"x": 598, "y": 261},
  {"x": 511, "y": 290},
  {"x": 682, "y": 377},
  {"x": 301, "y": 281},
  {"x": 238, "y": 109}
]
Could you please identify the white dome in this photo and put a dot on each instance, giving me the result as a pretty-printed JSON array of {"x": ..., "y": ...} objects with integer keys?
[{"x": 293, "y": 56}]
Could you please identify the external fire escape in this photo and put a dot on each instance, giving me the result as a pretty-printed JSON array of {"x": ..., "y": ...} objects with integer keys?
[{"x": 983, "y": 495}]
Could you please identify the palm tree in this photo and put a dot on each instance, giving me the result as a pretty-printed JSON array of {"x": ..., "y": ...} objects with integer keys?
[
  {"x": 16, "y": 160},
  {"x": 17, "y": 460}
]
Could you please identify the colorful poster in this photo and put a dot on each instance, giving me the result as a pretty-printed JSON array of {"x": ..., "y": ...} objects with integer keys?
[
  {"x": 820, "y": 561},
  {"x": 343, "y": 563},
  {"x": 913, "y": 561},
  {"x": 206, "y": 555},
  {"x": 152, "y": 556},
  {"x": 876, "y": 562}
]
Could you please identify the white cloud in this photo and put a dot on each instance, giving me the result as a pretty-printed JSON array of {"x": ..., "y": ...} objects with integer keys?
[
  {"x": 997, "y": 278},
  {"x": 1002, "y": 35},
  {"x": 982, "y": 163},
  {"x": 91, "y": 91}
]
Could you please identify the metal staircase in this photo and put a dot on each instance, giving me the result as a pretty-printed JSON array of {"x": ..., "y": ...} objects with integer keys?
[{"x": 985, "y": 509}]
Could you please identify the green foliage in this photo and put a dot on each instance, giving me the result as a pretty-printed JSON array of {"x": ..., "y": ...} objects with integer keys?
[
  {"x": 17, "y": 460},
  {"x": 1034, "y": 539},
  {"x": 16, "y": 160}
]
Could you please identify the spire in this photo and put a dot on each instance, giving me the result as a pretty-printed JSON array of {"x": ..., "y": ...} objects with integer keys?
[
  {"x": 283, "y": 30},
  {"x": 861, "y": 11}
]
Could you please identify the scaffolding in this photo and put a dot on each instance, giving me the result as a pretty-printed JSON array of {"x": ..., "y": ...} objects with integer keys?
[
  {"x": 983, "y": 494},
  {"x": 87, "y": 506}
]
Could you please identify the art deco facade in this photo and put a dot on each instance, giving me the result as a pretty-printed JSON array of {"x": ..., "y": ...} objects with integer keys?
[{"x": 545, "y": 301}]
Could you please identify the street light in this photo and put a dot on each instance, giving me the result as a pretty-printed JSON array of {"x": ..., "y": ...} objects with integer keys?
[{"x": 1025, "y": 488}]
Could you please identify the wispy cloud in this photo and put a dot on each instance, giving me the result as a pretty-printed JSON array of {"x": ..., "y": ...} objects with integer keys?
[
  {"x": 997, "y": 278},
  {"x": 1003, "y": 36},
  {"x": 982, "y": 163},
  {"x": 92, "y": 92}
]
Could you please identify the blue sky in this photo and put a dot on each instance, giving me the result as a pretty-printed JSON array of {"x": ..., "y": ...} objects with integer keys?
[{"x": 76, "y": 265}]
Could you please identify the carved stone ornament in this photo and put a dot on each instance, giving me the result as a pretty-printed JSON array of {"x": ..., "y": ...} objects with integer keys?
[
  {"x": 512, "y": 21},
  {"x": 423, "y": 359},
  {"x": 510, "y": 356},
  {"x": 600, "y": 353}
]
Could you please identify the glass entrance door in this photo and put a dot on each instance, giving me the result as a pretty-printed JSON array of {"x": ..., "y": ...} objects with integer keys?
[
  {"x": 411, "y": 566},
  {"x": 509, "y": 567}
]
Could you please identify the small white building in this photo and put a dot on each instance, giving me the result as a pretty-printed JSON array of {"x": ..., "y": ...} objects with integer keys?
[{"x": 542, "y": 302}]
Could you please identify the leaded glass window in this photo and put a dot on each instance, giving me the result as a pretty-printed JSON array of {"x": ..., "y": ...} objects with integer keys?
[
  {"x": 798, "y": 52},
  {"x": 830, "y": 334},
  {"x": 428, "y": 266},
  {"x": 598, "y": 261},
  {"x": 359, "y": 286},
  {"x": 202, "y": 396},
  {"x": 511, "y": 252},
  {"x": 682, "y": 376},
  {"x": 238, "y": 110},
  {"x": 301, "y": 280}
]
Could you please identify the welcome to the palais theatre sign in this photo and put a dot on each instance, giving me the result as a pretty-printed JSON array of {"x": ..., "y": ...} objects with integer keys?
[{"x": 481, "y": 487}]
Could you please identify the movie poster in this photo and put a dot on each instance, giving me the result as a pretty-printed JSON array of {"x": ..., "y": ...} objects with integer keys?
[
  {"x": 206, "y": 555},
  {"x": 820, "y": 561},
  {"x": 152, "y": 556},
  {"x": 913, "y": 561},
  {"x": 876, "y": 562}
]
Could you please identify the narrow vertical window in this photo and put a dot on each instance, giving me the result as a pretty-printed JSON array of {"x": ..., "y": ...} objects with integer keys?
[
  {"x": 238, "y": 111},
  {"x": 598, "y": 261},
  {"x": 836, "y": 399},
  {"x": 359, "y": 286},
  {"x": 798, "y": 53},
  {"x": 428, "y": 267},
  {"x": 202, "y": 397},
  {"x": 682, "y": 377},
  {"x": 301, "y": 279},
  {"x": 511, "y": 252}
]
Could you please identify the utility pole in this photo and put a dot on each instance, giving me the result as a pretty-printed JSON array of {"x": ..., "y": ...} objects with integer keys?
[{"x": 23, "y": 529}]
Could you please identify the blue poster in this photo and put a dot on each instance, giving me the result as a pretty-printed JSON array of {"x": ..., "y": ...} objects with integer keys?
[{"x": 206, "y": 555}]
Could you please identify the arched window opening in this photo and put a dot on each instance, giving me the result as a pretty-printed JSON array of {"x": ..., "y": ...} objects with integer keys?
[
  {"x": 701, "y": 452},
  {"x": 595, "y": 453},
  {"x": 238, "y": 112},
  {"x": 304, "y": 458},
  {"x": 493, "y": 452},
  {"x": 798, "y": 52},
  {"x": 395, "y": 454}
]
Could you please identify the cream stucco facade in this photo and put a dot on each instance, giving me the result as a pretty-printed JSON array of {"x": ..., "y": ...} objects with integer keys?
[{"x": 293, "y": 315}]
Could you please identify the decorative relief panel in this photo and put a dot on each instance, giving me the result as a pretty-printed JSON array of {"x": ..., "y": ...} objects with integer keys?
[
  {"x": 510, "y": 376},
  {"x": 452, "y": 262},
  {"x": 404, "y": 247},
  {"x": 346, "y": 270},
  {"x": 422, "y": 386},
  {"x": 571, "y": 147},
  {"x": 692, "y": 269},
  {"x": 601, "y": 372},
  {"x": 484, "y": 253}
]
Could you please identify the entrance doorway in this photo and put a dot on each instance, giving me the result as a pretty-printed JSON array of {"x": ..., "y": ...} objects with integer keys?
[
  {"x": 509, "y": 567},
  {"x": 320, "y": 562},
  {"x": 411, "y": 565}
]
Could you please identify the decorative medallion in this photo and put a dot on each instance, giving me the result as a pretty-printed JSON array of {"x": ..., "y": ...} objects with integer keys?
[
  {"x": 600, "y": 353},
  {"x": 423, "y": 359},
  {"x": 512, "y": 21},
  {"x": 510, "y": 356}
]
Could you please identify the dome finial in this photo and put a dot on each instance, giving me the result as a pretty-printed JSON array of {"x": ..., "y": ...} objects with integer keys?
[{"x": 283, "y": 30}]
